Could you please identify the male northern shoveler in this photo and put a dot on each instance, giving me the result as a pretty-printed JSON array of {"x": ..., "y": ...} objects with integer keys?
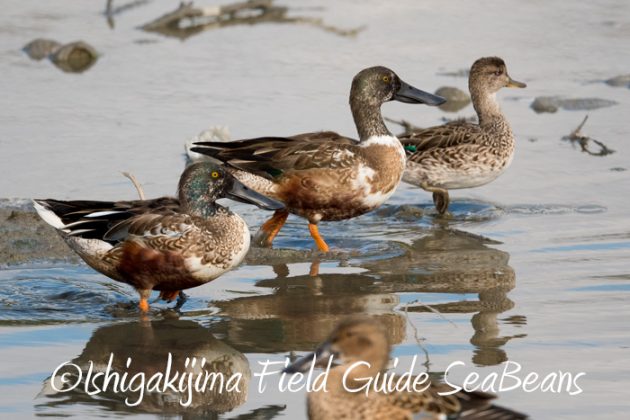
[
  {"x": 460, "y": 154},
  {"x": 360, "y": 350},
  {"x": 166, "y": 244},
  {"x": 325, "y": 176}
]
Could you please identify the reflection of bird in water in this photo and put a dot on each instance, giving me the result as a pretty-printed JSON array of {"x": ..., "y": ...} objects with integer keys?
[
  {"x": 148, "y": 345},
  {"x": 302, "y": 310},
  {"x": 450, "y": 261},
  {"x": 362, "y": 339}
]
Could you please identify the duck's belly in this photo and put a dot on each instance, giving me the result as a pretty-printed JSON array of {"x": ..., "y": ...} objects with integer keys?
[
  {"x": 450, "y": 178},
  {"x": 337, "y": 196}
]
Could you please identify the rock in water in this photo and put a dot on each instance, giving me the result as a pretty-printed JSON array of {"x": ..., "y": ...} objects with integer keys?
[
  {"x": 456, "y": 98},
  {"x": 74, "y": 57},
  {"x": 619, "y": 81},
  {"x": 553, "y": 103},
  {"x": 40, "y": 48}
]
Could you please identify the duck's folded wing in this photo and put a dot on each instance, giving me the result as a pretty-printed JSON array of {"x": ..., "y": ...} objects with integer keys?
[
  {"x": 421, "y": 142},
  {"x": 271, "y": 157},
  {"x": 462, "y": 405},
  {"x": 159, "y": 230},
  {"x": 94, "y": 219}
]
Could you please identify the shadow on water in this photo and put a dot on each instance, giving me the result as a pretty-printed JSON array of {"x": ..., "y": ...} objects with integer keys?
[{"x": 148, "y": 345}]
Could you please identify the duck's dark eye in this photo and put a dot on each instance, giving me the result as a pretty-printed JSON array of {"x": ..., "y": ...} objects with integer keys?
[
  {"x": 498, "y": 72},
  {"x": 387, "y": 79}
]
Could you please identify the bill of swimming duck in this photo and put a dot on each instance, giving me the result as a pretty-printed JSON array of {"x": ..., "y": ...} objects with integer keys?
[
  {"x": 360, "y": 350},
  {"x": 325, "y": 176},
  {"x": 461, "y": 154},
  {"x": 166, "y": 244}
]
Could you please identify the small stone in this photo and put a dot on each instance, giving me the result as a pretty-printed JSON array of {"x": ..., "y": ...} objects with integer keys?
[
  {"x": 456, "y": 98},
  {"x": 74, "y": 57},
  {"x": 545, "y": 104},
  {"x": 553, "y": 103},
  {"x": 619, "y": 81},
  {"x": 40, "y": 48}
]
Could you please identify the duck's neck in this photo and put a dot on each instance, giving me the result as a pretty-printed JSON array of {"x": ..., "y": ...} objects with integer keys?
[
  {"x": 368, "y": 120},
  {"x": 487, "y": 108}
]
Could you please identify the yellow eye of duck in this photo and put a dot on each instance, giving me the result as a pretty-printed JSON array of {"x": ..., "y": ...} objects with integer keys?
[
  {"x": 386, "y": 79},
  {"x": 214, "y": 174}
]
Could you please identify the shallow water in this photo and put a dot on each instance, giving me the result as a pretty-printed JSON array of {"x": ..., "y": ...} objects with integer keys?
[{"x": 532, "y": 268}]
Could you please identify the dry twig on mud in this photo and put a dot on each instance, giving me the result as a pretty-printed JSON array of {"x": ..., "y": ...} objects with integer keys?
[
  {"x": 583, "y": 140},
  {"x": 188, "y": 20}
]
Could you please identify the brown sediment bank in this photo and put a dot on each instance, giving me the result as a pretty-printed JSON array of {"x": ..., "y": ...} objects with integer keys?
[{"x": 24, "y": 237}]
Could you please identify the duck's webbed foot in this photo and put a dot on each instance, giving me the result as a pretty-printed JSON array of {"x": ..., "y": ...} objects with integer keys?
[
  {"x": 268, "y": 231},
  {"x": 441, "y": 201},
  {"x": 169, "y": 295},
  {"x": 181, "y": 299},
  {"x": 440, "y": 197}
]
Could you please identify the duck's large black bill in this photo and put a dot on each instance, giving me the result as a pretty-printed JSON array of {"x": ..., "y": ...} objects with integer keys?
[
  {"x": 239, "y": 192},
  {"x": 411, "y": 95}
]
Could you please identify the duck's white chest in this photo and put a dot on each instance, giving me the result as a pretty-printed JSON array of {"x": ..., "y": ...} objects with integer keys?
[
  {"x": 378, "y": 188},
  {"x": 225, "y": 254}
]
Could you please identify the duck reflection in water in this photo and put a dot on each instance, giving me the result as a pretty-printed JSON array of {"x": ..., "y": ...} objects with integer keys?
[
  {"x": 451, "y": 262},
  {"x": 448, "y": 263},
  {"x": 148, "y": 345},
  {"x": 303, "y": 308}
]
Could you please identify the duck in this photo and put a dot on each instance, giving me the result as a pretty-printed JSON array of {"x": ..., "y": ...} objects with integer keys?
[
  {"x": 166, "y": 244},
  {"x": 323, "y": 176},
  {"x": 360, "y": 349},
  {"x": 462, "y": 154}
]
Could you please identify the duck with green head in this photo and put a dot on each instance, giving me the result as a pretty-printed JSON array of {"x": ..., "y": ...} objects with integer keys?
[
  {"x": 324, "y": 176},
  {"x": 166, "y": 244},
  {"x": 461, "y": 154}
]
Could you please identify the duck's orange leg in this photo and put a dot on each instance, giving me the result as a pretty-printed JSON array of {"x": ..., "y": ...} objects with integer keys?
[
  {"x": 269, "y": 229},
  {"x": 144, "y": 300},
  {"x": 319, "y": 241}
]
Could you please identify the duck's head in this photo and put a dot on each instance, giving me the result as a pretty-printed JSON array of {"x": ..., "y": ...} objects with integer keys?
[
  {"x": 202, "y": 183},
  {"x": 356, "y": 339},
  {"x": 489, "y": 74},
  {"x": 377, "y": 85}
]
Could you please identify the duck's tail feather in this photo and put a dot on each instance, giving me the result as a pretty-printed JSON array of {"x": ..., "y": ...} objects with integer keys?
[{"x": 85, "y": 219}]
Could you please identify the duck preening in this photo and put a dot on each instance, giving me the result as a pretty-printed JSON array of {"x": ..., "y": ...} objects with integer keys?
[
  {"x": 360, "y": 349},
  {"x": 461, "y": 154},
  {"x": 166, "y": 244},
  {"x": 323, "y": 175}
]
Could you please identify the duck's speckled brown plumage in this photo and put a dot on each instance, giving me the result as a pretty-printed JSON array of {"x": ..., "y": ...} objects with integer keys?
[
  {"x": 460, "y": 154},
  {"x": 364, "y": 339},
  {"x": 322, "y": 175},
  {"x": 166, "y": 244}
]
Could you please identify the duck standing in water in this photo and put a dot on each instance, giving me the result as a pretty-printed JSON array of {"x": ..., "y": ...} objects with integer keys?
[
  {"x": 460, "y": 154},
  {"x": 360, "y": 350},
  {"x": 166, "y": 244},
  {"x": 325, "y": 176}
]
